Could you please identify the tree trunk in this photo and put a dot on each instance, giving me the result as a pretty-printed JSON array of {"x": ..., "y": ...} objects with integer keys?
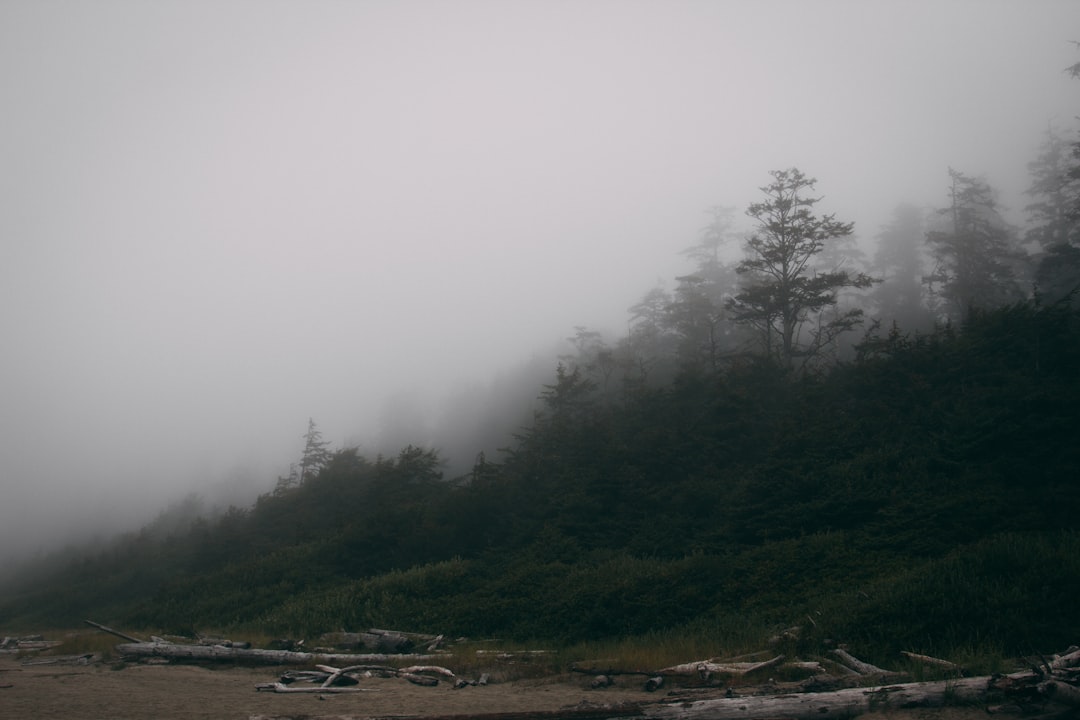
[
  {"x": 117, "y": 633},
  {"x": 283, "y": 688},
  {"x": 822, "y": 706},
  {"x": 264, "y": 657},
  {"x": 707, "y": 667}
]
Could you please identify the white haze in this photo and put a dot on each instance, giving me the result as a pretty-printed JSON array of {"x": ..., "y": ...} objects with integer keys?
[{"x": 221, "y": 218}]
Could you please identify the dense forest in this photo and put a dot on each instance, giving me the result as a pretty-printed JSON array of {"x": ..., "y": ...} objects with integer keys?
[{"x": 883, "y": 449}]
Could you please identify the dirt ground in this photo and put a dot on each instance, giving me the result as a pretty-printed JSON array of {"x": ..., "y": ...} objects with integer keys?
[{"x": 171, "y": 692}]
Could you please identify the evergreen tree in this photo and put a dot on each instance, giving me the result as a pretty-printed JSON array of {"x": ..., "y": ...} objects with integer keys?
[
  {"x": 1054, "y": 214},
  {"x": 782, "y": 291},
  {"x": 898, "y": 261},
  {"x": 648, "y": 353},
  {"x": 697, "y": 318},
  {"x": 1054, "y": 211},
  {"x": 696, "y": 314},
  {"x": 316, "y": 455},
  {"x": 975, "y": 252}
]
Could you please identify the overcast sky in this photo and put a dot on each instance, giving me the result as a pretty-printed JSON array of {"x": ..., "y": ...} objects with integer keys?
[{"x": 220, "y": 218}]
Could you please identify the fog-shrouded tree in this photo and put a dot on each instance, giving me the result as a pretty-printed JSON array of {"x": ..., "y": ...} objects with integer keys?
[
  {"x": 898, "y": 261},
  {"x": 649, "y": 350},
  {"x": 698, "y": 319},
  {"x": 782, "y": 296},
  {"x": 975, "y": 251},
  {"x": 1054, "y": 211},
  {"x": 592, "y": 355},
  {"x": 316, "y": 454},
  {"x": 697, "y": 312},
  {"x": 1054, "y": 216}
]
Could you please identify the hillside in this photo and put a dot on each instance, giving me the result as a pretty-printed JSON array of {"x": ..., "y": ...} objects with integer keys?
[{"x": 922, "y": 495}]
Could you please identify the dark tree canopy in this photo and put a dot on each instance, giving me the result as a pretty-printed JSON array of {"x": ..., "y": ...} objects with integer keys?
[
  {"x": 783, "y": 292},
  {"x": 975, "y": 251}
]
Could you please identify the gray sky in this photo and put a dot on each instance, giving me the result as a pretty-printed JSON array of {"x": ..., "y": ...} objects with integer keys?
[{"x": 220, "y": 218}]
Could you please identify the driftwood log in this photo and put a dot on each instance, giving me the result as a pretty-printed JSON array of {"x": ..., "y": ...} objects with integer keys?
[
  {"x": 839, "y": 704},
  {"x": 214, "y": 653},
  {"x": 935, "y": 662},
  {"x": 283, "y": 688},
  {"x": 858, "y": 665},
  {"x": 109, "y": 630},
  {"x": 705, "y": 668}
]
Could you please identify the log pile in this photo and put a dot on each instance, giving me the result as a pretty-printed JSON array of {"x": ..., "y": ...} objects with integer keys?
[
  {"x": 1051, "y": 685},
  {"x": 1053, "y": 681}
]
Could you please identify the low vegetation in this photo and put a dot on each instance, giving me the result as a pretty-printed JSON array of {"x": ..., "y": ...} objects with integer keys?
[{"x": 922, "y": 497}]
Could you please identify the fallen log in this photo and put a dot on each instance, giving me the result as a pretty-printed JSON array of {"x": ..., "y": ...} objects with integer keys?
[
  {"x": 1070, "y": 659},
  {"x": 38, "y": 644},
  {"x": 436, "y": 669},
  {"x": 117, "y": 633},
  {"x": 83, "y": 659},
  {"x": 706, "y": 667},
  {"x": 1061, "y": 692},
  {"x": 838, "y": 704},
  {"x": 927, "y": 660},
  {"x": 858, "y": 665},
  {"x": 218, "y": 653},
  {"x": 283, "y": 688}
]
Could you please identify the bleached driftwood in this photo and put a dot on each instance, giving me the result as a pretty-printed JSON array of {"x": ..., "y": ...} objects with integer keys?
[
  {"x": 328, "y": 675},
  {"x": 268, "y": 657},
  {"x": 927, "y": 660},
  {"x": 383, "y": 641},
  {"x": 838, "y": 704},
  {"x": 83, "y": 659},
  {"x": 109, "y": 630},
  {"x": 38, "y": 644},
  {"x": 1070, "y": 659},
  {"x": 858, "y": 665},
  {"x": 1061, "y": 692},
  {"x": 706, "y": 667},
  {"x": 334, "y": 673},
  {"x": 283, "y": 688},
  {"x": 811, "y": 665}
]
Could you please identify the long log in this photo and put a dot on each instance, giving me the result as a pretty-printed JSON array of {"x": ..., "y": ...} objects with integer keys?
[
  {"x": 283, "y": 688},
  {"x": 821, "y": 706},
  {"x": 215, "y": 653},
  {"x": 1070, "y": 659},
  {"x": 927, "y": 660},
  {"x": 711, "y": 666},
  {"x": 117, "y": 633}
]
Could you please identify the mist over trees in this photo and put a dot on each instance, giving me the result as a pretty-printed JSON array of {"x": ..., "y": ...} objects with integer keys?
[{"x": 790, "y": 431}]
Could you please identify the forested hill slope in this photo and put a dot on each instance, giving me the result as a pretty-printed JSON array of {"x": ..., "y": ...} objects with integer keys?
[{"x": 925, "y": 495}]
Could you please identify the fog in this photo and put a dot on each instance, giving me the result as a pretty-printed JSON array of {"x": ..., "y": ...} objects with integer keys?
[{"x": 218, "y": 219}]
